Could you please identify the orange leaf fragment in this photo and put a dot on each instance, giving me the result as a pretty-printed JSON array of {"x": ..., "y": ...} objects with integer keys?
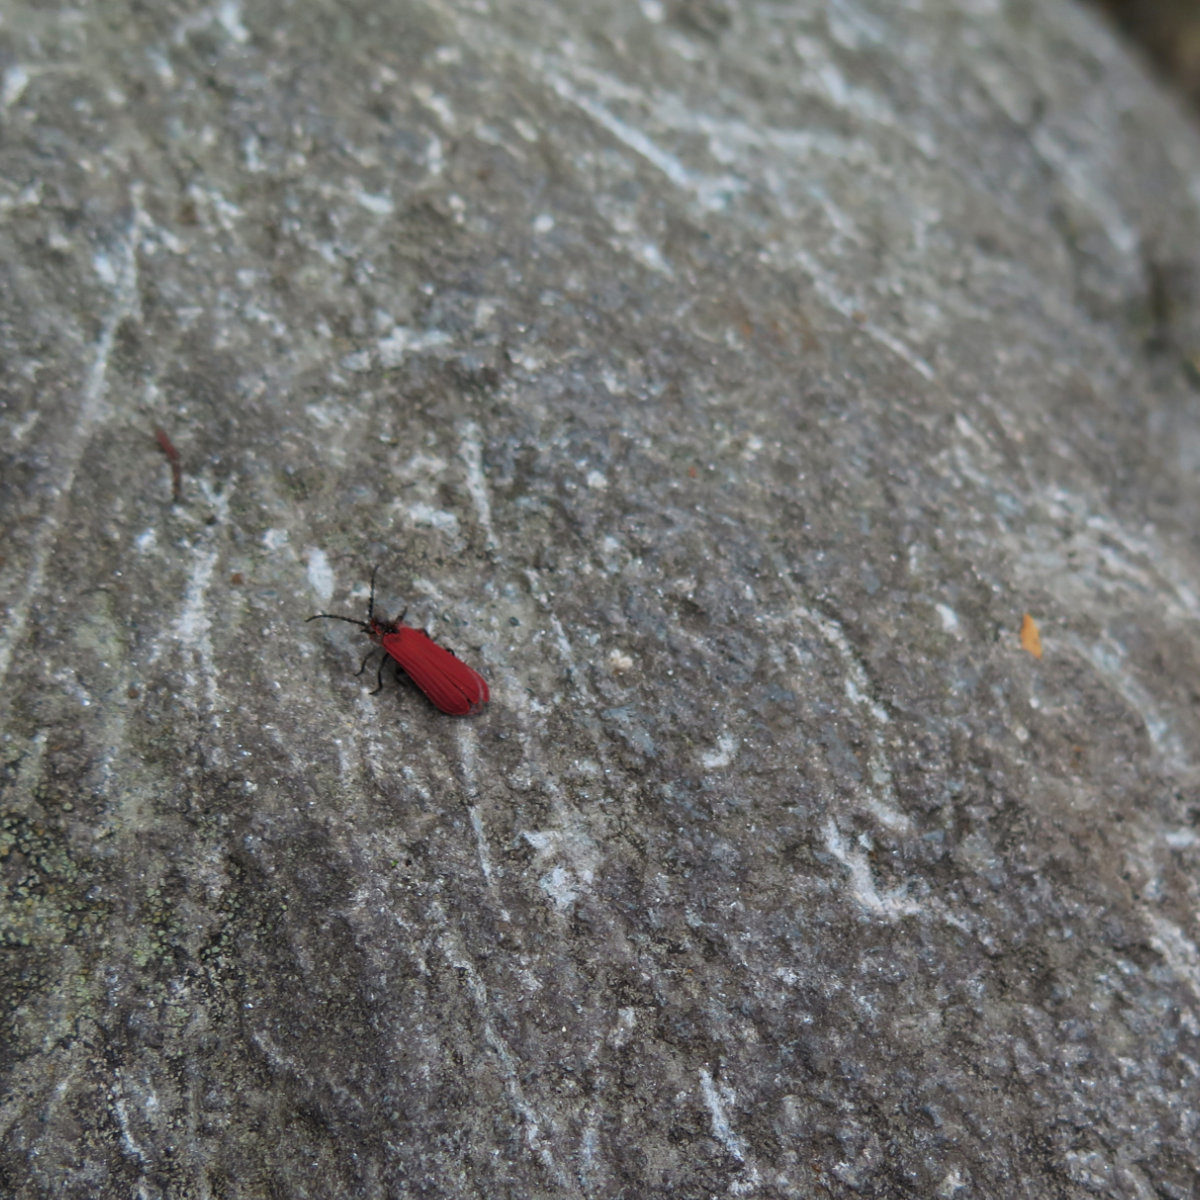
[{"x": 1031, "y": 640}]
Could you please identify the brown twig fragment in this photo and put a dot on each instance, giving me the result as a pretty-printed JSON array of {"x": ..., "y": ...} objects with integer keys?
[{"x": 168, "y": 448}]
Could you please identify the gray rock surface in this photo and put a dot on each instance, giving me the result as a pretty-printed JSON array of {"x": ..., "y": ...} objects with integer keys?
[{"x": 726, "y": 382}]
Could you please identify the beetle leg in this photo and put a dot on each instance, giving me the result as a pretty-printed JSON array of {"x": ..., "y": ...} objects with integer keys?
[{"x": 379, "y": 676}]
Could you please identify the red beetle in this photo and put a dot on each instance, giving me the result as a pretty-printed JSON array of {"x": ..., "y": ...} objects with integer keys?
[{"x": 451, "y": 686}]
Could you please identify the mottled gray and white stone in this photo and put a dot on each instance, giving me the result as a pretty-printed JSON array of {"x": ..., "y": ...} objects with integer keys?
[{"x": 726, "y": 382}]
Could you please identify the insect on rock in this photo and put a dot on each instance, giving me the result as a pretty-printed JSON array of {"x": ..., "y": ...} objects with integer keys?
[{"x": 449, "y": 684}]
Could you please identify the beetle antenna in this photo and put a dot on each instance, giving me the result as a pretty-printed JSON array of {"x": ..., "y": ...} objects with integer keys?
[{"x": 335, "y": 617}]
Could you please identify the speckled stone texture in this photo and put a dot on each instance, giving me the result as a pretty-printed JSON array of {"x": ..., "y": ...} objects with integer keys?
[{"x": 726, "y": 382}]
